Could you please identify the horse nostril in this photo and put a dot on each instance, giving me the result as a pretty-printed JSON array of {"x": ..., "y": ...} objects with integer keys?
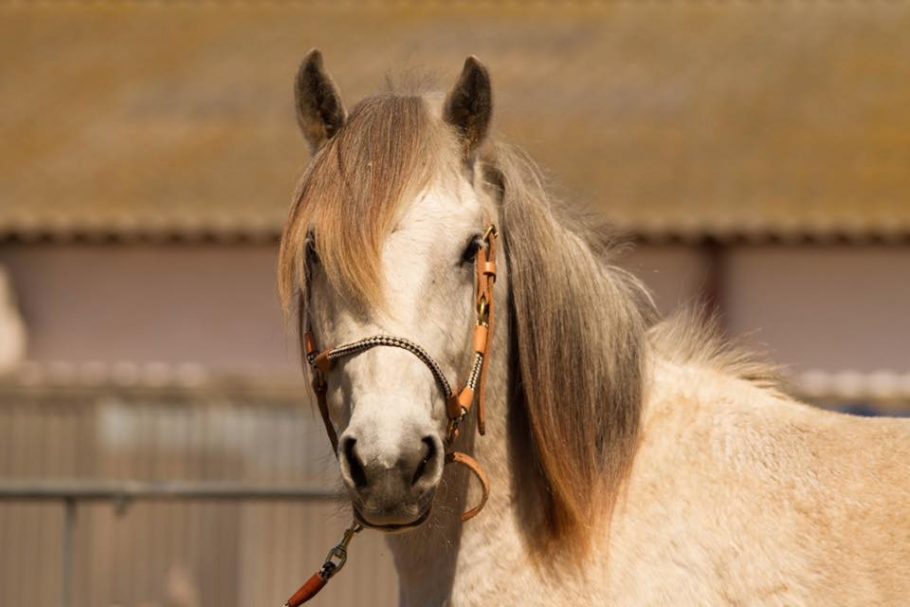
[
  {"x": 355, "y": 467},
  {"x": 430, "y": 453}
]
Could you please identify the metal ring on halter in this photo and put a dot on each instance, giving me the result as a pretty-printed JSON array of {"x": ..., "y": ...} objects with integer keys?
[{"x": 483, "y": 310}]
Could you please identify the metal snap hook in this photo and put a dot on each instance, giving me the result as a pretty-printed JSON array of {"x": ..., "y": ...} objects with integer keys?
[{"x": 483, "y": 310}]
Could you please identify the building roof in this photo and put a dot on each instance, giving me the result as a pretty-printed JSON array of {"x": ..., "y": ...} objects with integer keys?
[{"x": 174, "y": 120}]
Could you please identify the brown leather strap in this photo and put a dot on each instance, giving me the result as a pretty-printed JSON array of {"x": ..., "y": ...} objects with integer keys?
[
  {"x": 481, "y": 335},
  {"x": 458, "y": 405},
  {"x": 471, "y": 464},
  {"x": 323, "y": 362},
  {"x": 320, "y": 388},
  {"x": 486, "y": 278},
  {"x": 309, "y": 589},
  {"x": 322, "y": 366},
  {"x": 309, "y": 344},
  {"x": 334, "y": 562}
]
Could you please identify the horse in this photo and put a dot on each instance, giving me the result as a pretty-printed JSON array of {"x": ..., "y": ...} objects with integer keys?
[{"x": 632, "y": 459}]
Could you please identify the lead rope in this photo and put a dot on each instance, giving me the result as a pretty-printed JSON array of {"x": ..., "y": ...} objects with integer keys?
[
  {"x": 334, "y": 562},
  {"x": 457, "y": 405}
]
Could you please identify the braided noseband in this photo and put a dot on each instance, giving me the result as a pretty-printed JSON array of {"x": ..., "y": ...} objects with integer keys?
[
  {"x": 356, "y": 347},
  {"x": 457, "y": 405}
]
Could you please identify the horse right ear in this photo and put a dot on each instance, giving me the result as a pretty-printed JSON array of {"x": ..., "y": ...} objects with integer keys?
[
  {"x": 320, "y": 112},
  {"x": 469, "y": 105}
]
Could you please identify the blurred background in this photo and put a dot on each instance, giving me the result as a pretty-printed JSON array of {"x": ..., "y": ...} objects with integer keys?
[{"x": 156, "y": 443}]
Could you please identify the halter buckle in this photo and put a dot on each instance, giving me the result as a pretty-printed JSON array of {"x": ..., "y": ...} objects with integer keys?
[
  {"x": 483, "y": 310},
  {"x": 453, "y": 432}
]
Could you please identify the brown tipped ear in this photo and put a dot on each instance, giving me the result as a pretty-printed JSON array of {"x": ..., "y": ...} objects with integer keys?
[
  {"x": 320, "y": 112},
  {"x": 469, "y": 105}
]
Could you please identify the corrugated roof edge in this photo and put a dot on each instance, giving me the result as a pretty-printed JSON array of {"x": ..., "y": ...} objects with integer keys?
[
  {"x": 235, "y": 232},
  {"x": 238, "y": 233}
]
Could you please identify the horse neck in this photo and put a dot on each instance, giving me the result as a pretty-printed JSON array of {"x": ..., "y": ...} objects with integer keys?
[{"x": 439, "y": 561}]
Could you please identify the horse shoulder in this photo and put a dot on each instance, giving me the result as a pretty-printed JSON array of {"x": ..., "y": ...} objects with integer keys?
[{"x": 739, "y": 494}]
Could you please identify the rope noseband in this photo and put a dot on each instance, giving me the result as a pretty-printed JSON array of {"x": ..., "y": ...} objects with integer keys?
[{"x": 458, "y": 406}]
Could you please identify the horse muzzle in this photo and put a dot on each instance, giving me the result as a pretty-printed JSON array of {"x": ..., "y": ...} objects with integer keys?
[{"x": 391, "y": 489}]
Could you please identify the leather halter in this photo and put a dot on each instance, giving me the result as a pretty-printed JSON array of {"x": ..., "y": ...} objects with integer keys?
[{"x": 458, "y": 405}]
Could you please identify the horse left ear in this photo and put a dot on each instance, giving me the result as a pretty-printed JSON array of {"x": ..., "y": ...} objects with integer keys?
[
  {"x": 320, "y": 112},
  {"x": 469, "y": 105}
]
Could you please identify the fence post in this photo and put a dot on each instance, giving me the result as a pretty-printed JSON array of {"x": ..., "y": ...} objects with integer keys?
[{"x": 69, "y": 532}]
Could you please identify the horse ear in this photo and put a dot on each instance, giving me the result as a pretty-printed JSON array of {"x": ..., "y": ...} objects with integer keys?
[
  {"x": 320, "y": 112},
  {"x": 469, "y": 105}
]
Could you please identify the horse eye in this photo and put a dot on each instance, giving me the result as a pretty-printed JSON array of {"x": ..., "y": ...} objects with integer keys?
[{"x": 470, "y": 251}]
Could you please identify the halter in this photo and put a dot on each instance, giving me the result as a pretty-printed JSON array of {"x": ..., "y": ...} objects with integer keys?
[{"x": 458, "y": 405}]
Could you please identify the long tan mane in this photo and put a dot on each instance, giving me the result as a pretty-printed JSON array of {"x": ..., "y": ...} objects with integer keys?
[
  {"x": 578, "y": 327},
  {"x": 693, "y": 337}
]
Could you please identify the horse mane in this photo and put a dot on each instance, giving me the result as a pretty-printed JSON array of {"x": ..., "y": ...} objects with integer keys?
[
  {"x": 581, "y": 330},
  {"x": 578, "y": 334},
  {"x": 692, "y": 337}
]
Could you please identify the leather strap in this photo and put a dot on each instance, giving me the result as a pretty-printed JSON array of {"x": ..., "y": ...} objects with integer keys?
[
  {"x": 306, "y": 592},
  {"x": 457, "y": 405},
  {"x": 334, "y": 562},
  {"x": 320, "y": 388},
  {"x": 471, "y": 464},
  {"x": 486, "y": 278}
]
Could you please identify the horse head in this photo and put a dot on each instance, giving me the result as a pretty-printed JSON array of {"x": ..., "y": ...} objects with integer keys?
[{"x": 382, "y": 249}]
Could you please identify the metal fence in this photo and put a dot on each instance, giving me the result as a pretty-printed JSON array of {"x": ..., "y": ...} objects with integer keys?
[
  {"x": 115, "y": 496},
  {"x": 123, "y": 494}
]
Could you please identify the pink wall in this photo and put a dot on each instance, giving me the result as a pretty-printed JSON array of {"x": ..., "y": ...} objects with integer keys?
[
  {"x": 824, "y": 307},
  {"x": 205, "y": 303},
  {"x": 676, "y": 274}
]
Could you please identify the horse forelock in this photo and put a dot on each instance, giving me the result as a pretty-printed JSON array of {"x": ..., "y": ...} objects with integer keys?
[{"x": 348, "y": 201}]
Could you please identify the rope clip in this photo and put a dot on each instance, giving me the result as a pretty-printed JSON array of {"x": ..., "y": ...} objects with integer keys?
[{"x": 338, "y": 555}]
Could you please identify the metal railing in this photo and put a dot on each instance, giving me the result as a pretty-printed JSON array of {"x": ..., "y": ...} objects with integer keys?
[{"x": 123, "y": 493}]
